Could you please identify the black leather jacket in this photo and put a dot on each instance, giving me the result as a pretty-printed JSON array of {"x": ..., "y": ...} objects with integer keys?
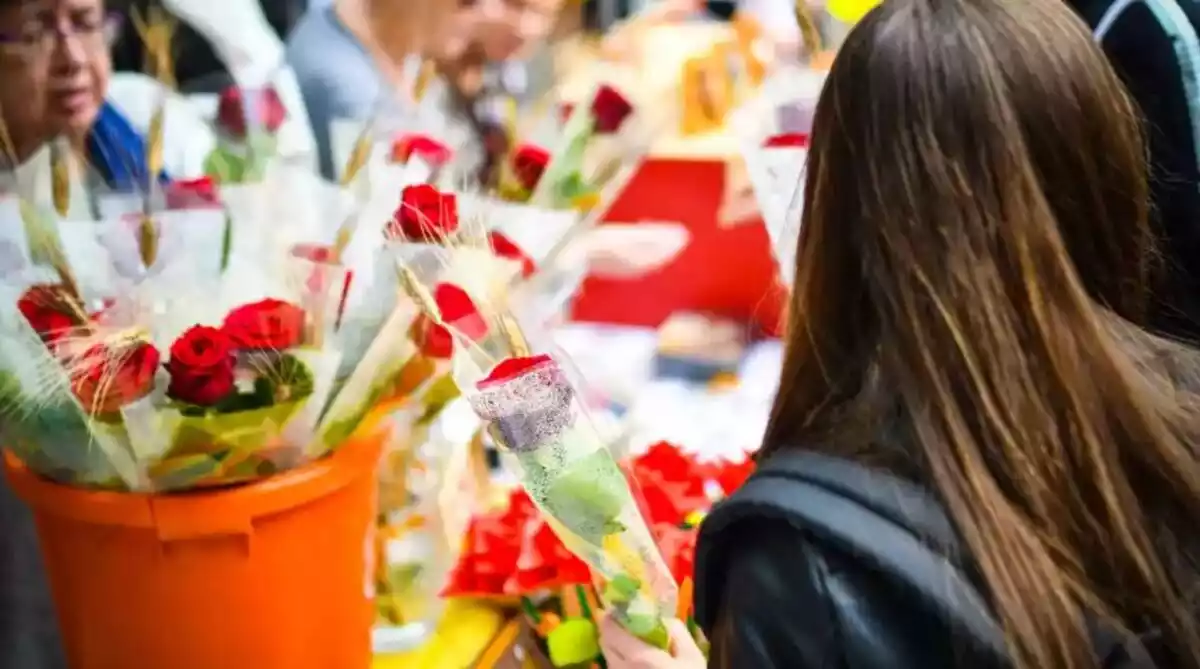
[
  {"x": 789, "y": 602},
  {"x": 819, "y": 563}
]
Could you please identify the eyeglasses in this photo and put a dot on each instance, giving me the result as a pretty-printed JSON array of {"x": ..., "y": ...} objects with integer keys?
[{"x": 37, "y": 39}]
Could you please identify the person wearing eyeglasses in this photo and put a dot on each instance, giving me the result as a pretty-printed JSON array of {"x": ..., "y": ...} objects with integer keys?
[{"x": 55, "y": 65}]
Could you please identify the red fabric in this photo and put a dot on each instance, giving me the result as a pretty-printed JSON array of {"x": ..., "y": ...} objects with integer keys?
[{"x": 727, "y": 272}]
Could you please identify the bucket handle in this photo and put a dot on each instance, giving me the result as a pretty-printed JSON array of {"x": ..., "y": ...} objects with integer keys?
[{"x": 180, "y": 519}]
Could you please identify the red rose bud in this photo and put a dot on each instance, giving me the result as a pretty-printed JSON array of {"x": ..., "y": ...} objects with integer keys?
[
  {"x": 528, "y": 163},
  {"x": 609, "y": 110},
  {"x": 434, "y": 153},
  {"x": 459, "y": 312},
  {"x": 514, "y": 368},
  {"x": 47, "y": 307},
  {"x": 192, "y": 193},
  {"x": 262, "y": 107},
  {"x": 505, "y": 248},
  {"x": 107, "y": 377},
  {"x": 201, "y": 366},
  {"x": 425, "y": 215},
  {"x": 269, "y": 324},
  {"x": 787, "y": 139}
]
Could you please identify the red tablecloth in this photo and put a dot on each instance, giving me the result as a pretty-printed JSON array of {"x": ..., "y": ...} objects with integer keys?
[{"x": 723, "y": 271}]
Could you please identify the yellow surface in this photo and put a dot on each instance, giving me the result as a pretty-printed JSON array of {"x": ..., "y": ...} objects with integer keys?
[
  {"x": 850, "y": 11},
  {"x": 467, "y": 628}
]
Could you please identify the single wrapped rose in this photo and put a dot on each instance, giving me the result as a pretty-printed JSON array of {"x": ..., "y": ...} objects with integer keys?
[
  {"x": 504, "y": 247},
  {"x": 609, "y": 110},
  {"x": 459, "y": 312},
  {"x": 268, "y": 324},
  {"x": 528, "y": 163},
  {"x": 434, "y": 153},
  {"x": 110, "y": 375},
  {"x": 262, "y": 105},
  {"x": 192, "y": 193},
  {"x": 201, "y": 366},
  {"x": 425, "y": 214},
  {"x": 48, "y": 309}
]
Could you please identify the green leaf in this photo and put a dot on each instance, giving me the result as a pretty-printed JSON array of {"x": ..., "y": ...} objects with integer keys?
[{"x": 573, "y": 642}]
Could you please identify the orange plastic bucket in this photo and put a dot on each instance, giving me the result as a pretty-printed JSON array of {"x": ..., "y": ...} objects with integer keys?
[{"x": 273, "y": 575}]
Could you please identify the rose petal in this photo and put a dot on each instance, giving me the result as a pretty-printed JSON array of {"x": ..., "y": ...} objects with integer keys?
[
  {"x": 787, "y": 139},
  {"x": 512, "y": 368},
  {"x": 504, "y": 247}
]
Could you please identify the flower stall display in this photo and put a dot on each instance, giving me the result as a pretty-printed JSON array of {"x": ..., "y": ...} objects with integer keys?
[
  {"x": 513, "y": 553},
  {"x": 247, "y": 121},
  {"x": 601, "y": 145},
  {"x": 773, "y": 130}
]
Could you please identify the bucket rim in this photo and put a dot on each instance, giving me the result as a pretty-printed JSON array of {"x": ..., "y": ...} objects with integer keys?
[{"x": 194, "y": 514}]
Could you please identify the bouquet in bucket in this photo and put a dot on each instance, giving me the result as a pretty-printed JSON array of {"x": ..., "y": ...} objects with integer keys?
[
  {"x": 600, "y": 147},
  {"x": 532, "y": 410},
  {"x": 192, "y": 348},
  {"x": 513, "y": 553},
  {"x": 247, "y": 122},
  {"x": 773, "y": 128}
]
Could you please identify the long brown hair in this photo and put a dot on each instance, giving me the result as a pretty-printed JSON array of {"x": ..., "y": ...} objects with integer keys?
[{"x": 973, "y": 256}]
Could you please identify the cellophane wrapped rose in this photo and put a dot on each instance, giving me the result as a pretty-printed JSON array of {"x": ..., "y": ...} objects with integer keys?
[
  {"x": 773, "y": 130},
  {"x": 532, "y": 410},
  {"x": 512, "y": 552},
  {"x": 601, "y": 145},
  {"x": 248, "y": 119}
]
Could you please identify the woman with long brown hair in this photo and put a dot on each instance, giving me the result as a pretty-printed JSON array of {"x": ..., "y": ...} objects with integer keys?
[{"x": 976, "y": 458}]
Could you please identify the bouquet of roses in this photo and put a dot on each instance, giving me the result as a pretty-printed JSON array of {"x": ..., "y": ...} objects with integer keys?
[
  {"x": 247, "y": 121},
  {"x": 145, "y": 394},
  {"x": 174, "y": 349},
  {"x": 513, "y": 552},
  {"x": 773, "y": 129},
  {"x": 601, "y": 146}
]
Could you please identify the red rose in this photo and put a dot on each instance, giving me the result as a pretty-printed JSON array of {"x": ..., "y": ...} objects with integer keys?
[
  {"x": 514, "y": 368},
  {"x": 267, "y": 324},
  {"x": 47, "y": 307},
  {"x": 428, "y": 149},
  {"x": 425, "y": 215},
  {"x": 201, "y": 366},
  {"x": 506, "y": 248},
  {"x": 787, "y": 139},
  {"x": 459, "y": 312},
  {"x": 192, "y": 193},
  {"x": 528, "y": 163},
  {"x": 261, "y": 106},
  {"x": 109, "y": 376},
  {"x": 609, "y": 110}
]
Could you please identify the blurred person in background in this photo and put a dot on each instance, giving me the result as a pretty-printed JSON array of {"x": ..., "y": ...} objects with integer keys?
[
  {"x": 56, "y": 75},
  {"x": 1154, "y": 47},
  {"x": 56, "y": 71},
  {"x": 976, "y": 457},
  {"x": 350, "y": 56},
  {"x": 54, "y": 68}
]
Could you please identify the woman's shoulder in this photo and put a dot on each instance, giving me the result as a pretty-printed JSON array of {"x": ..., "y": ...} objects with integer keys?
[{"x": 812, "y": 560}]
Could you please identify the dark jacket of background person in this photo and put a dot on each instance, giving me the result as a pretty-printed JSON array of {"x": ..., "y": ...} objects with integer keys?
[{"x": 1159, "y": 71}]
